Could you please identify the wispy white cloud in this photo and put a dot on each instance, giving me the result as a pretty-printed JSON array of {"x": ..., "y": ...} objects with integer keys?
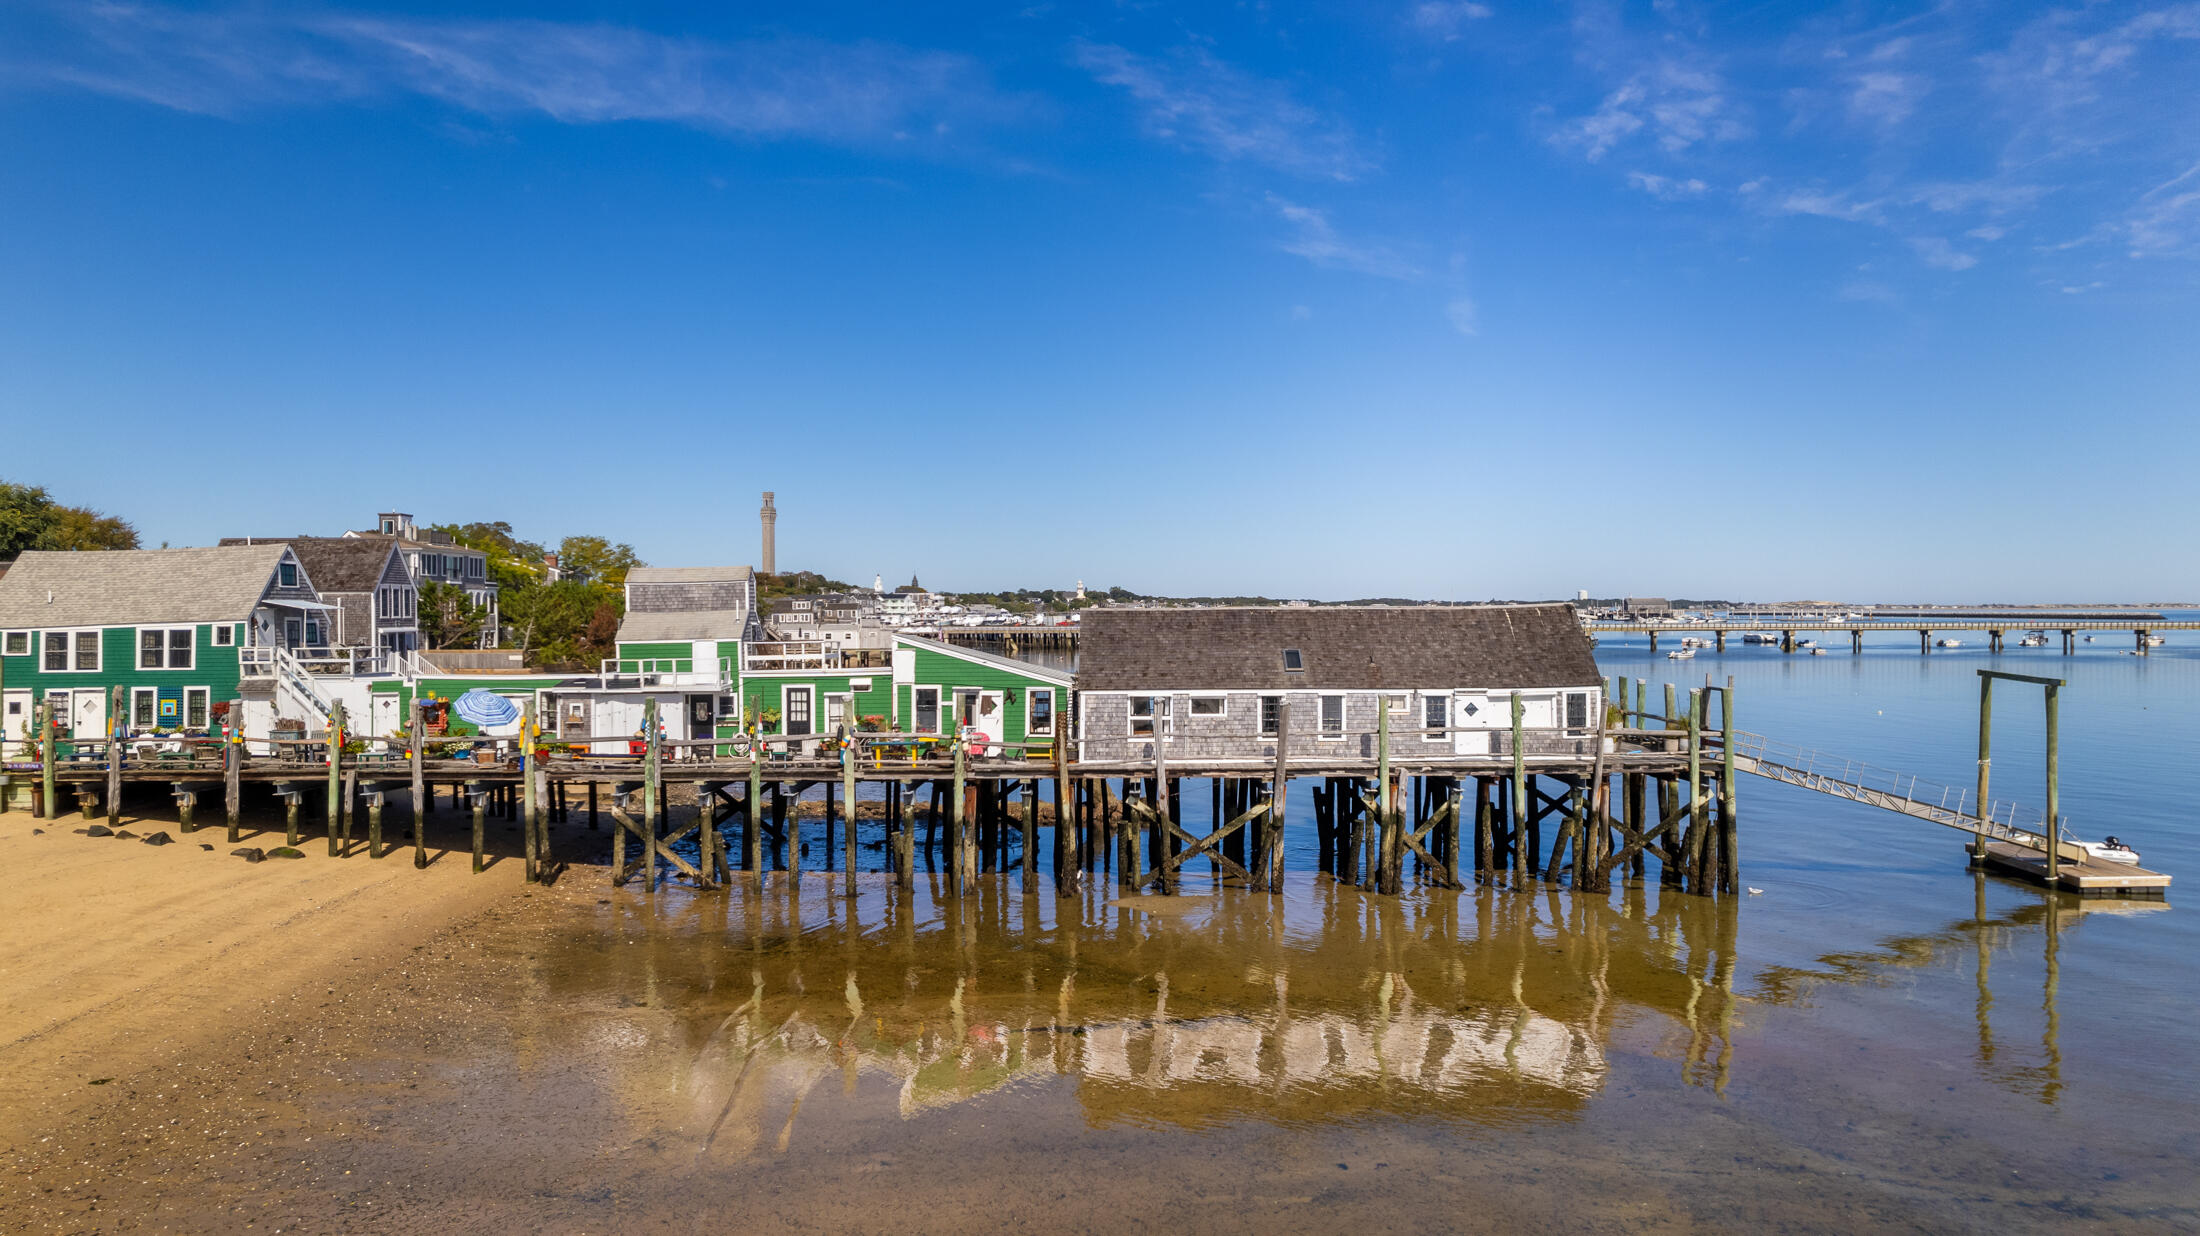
[
  {"x": 2166, "y": 219},
  {"x": 1667, "y": 188},
  {"x": 1885, "y": 98},
  {"x": 1195, "y": 100},
  {"x": 1827, "y": 205},
  {"x": 229, "y": 62},
  {"x": 1314, "y": 238},
  {"x": 1446, "y": 20},
  {"x": 1936, "y": 252},
  {"x": 1676, "y": 104},
  {"x": 1463, "y": 316}
]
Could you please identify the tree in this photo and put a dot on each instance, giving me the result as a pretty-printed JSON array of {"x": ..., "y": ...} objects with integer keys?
[
  {"x": 77, "y": 527},
  {"x": 26, "y": 511},
  {"x": 448, "y": 617},
  {"x": 596, "y": 560},
  {"x": 31, "y": 519}
]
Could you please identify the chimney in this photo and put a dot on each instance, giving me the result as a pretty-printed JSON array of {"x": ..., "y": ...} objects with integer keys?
[{"x": 771, "y": 520}]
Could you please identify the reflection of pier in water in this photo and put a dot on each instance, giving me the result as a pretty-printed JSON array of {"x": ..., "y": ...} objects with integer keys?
[
  {"x": 2051, "y": 913},
  {"x": 1319, "y": 1005}
]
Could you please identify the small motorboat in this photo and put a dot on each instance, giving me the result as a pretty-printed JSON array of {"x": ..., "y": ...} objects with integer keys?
[
  {"x": 2156, "y": 641},
  {"x": 2032, "y": 641},
  {"x": 2088, "y": 639},
  {"x": 2110, "y": 850},
  {"x": 1685, "y": 654},
  {"x": 1807, "y": 643},
  {"x": 1818, "y": 652},
  {"x": 1947, "y": 643}
]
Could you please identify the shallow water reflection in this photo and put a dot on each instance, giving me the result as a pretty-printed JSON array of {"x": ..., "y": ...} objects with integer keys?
[{"x": 1187, "y": 1011}]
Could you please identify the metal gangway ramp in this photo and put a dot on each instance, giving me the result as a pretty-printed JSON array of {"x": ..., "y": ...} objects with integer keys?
[{"x": 2009, "y": 844}]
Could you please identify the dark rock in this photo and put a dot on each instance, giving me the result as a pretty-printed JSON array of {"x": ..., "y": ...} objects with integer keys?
[
  {"x": 125, "y": 835},
  {"x": 38, "y": 832},
  {"x": 250, "y": 854},
  {"x": 97, "y": 830},
  {"x": 159, "y": 839},
  {"x": 285, "y": 851},
  {"x": 204, "y": 846}
]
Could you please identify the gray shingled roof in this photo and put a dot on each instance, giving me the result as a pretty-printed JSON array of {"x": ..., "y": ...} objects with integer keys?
[
  {"x": 682, "y": 624},
  {"x": 334, "y": 563},
  {"x": 685, "y": 575},
  {"x": 1241, "y": 649},
  {"x": 124, "y": 586}
]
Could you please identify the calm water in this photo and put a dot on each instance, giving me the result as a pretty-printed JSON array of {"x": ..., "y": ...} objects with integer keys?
[{"x": 1879, "y": 1036}]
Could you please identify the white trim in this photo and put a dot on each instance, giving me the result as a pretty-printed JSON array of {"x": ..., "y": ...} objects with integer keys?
[
  {"x": 1321, "y": 717},
  {"x": 99, "y": 648},
  {"x": 152, "y": 714},
  {"x": 1443, "y": 700},
  {"x": 1054, "y": 712},
  {"x": 1192, "y": 709},
  {"x": 1260, "y": 713},
  {"x": 1157, "y": 708},
  {"x": 1052, "y": 677},
  {"x": 847, "y": 710},
  {"x": 223, "y": 634},
  {"x": 167, "y": 647},
  {"x": 940, "y": 701},
  {"x": 206, "y": 708},
  {"x": 30, "y": 646}
]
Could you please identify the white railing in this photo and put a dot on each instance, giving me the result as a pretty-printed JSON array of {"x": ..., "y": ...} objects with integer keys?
[
  {"x": 1953, "y": 805},
  {"x": 670, "y": 671},
  {"x": 782, "y": 655}
]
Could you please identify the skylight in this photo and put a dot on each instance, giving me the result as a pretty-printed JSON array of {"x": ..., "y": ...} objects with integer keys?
[{"x": 1292, "y": 660}]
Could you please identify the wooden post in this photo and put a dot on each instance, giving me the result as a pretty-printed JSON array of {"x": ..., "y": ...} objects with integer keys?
[
  {"x": 1985, "y": 762},
  {"x": 374, "y": 824},
  {"x": 1696, "y": 814},
  {"x": 905, "y": 838},
  {"x": 752, "y": 821},
  {"x": 2054, "y": 791},
  {"x": 530, "y": 810},
  {"x": 1031, "y": 835},
  {"x": 1272, "y": 827},
  {"x": 652, "y": 788},
  {"x": 335, "y": 746},
  {"x": 848, "y": 803},
  {"x": 1520, "y": 802},
  {"x": 1069, "y": 857},
  {"x": 1159, "y": 829},
  {"x": 964, "y": 860},
  {"x": 477, "y": 796},
  {"x": 115, "y": 757},
  {"x": 46, "y": 787},
  {"x": 1388, "y": 863},
  {"x": 1485, "y": 847},
  {"x": 1730, "y": 855},
  {"x": 417, "y": 731}
]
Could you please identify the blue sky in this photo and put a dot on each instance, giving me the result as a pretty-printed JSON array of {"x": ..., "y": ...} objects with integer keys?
[{"x": 1431, "y": 299}]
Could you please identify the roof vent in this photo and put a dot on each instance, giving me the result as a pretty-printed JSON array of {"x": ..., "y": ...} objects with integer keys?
[{"x": 1292, "y": 661}]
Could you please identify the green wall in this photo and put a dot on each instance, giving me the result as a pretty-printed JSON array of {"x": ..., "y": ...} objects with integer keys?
[
  {"x": 214, "y": 668},
  {"x": 938, "y": 669},
  {"x": 761, "y": 691}
]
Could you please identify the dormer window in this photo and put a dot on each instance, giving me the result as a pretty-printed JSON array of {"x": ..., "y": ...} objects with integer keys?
[
  {"x": 1293, "y": 662},
  {"x": 287, "y": 574}
]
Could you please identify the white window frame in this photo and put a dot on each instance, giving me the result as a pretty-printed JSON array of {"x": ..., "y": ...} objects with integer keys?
[
  {"x": 168, "y": 648},
  {"x": 64, "y": 723},
  {"x": 1197, "y": 700},
  {"x": 939, "y": 708},
  {"x": 69, "y": 637},
  {"x": 205, "y": 697},
  {"x": 1566, "y": 709},
  {"x": 1260, "y": 715},
  {"x": 286, "y": 574},
  {"x": 1031, "y": 694},
  {"x": 225, "y": 634},
  {"x": 1157, "y": 708},
  {"x": 147, "y": 700},
  {"x": 8, "y": 639},
  {"x": 1344, "y": 704},
  {"x": 1400, "y": 703},
  {"x": 1443, "y": 722},
  {"x": 826, "y": 723}
]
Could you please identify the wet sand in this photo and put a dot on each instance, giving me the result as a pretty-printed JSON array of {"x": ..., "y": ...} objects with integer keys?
[{"x": 319, "y": 1045}]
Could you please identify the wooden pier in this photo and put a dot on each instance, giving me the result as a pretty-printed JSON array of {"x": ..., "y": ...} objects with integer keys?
[
  {"x": 2142, "y": 629},
  {"x": 1542, "y": 807}
]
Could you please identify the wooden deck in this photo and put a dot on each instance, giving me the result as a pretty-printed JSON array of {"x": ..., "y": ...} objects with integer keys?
[{"x": 2089, "y": 877}]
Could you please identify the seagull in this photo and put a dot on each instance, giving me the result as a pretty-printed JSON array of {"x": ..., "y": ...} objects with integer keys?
[{"x": 1756, "y": 892}]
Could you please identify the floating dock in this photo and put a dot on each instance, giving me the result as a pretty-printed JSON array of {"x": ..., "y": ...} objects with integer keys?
[{"x": 2087, "y": 877}]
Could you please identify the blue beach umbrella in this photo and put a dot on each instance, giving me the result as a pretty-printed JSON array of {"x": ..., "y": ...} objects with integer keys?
[{"x": 485, "y": 708}]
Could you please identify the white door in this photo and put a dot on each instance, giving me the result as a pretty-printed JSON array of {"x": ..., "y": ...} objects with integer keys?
[
  {"x": 1478, "y": 716},
  {"x": 88, "y": 714},
  {"x": 984, "y": 713},
  {"x": 15, "y": 721},
  {"x": 1539, "y": 711},
  {"x": 618, "y": 719},
  {"x": 382, "y": 718}
]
